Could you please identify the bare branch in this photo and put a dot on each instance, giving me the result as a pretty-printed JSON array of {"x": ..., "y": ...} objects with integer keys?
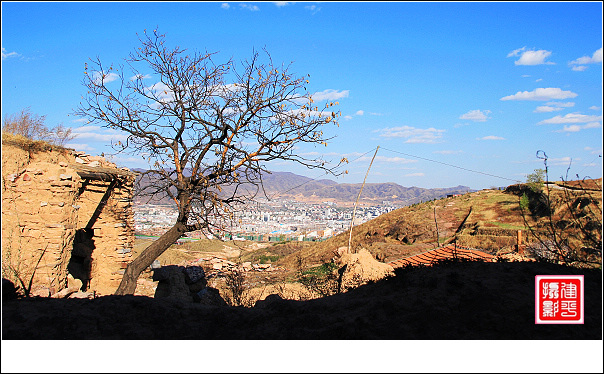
[{"x": 208, "y": 129}]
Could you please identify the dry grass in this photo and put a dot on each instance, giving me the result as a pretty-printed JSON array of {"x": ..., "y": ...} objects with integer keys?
[
  {"x": 172, "y": 256},
  {"x": 492, "y": 225},
  {"x": 491, "y": 243},
  {"x": 27, "y": 143}
]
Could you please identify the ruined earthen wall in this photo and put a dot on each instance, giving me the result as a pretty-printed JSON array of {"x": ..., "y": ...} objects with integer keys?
[{"x": 45, "y": 201}]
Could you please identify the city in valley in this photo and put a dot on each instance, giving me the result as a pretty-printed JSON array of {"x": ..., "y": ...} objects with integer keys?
[{"x": 276, "y": 220}]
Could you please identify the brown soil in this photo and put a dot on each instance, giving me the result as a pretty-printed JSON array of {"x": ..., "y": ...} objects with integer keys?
[
  {"x": 487, "y": 220},
  {"x": 467, "y": 300}
]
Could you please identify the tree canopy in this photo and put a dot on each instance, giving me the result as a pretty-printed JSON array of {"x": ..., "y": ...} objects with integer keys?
[{"x": 208, "y": 130}]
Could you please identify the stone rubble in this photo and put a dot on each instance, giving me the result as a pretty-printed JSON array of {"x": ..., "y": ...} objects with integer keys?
[
  {"x": 216, "y": 265},
  {"x": 189, "y": 280}
]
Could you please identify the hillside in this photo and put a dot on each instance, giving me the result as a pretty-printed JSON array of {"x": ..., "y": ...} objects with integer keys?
[
  {"x": 304, "y": 189},
  {"x": 487, "y": 219}
]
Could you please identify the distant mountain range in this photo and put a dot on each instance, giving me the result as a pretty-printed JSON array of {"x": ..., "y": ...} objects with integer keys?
[
  {"x": 286, "y": 184},
  {"x": 280, "y": 185}
]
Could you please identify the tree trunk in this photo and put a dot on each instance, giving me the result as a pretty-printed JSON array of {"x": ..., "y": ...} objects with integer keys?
[{"x": 136, "y": 267}]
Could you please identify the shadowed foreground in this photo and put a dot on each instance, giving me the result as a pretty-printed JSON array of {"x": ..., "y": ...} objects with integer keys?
[{"x": 468, "y": 300}]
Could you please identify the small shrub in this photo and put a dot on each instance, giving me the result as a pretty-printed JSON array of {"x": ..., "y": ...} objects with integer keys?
[
  {"x": 31, "y": 126},
  {"x": 322, "y": 279},
  {"x": 263, "y": 259},
  {"x": 236, "y": 288}
]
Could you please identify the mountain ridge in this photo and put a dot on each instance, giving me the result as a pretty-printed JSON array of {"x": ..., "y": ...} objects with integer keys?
[{"x": 279, "y": 184}]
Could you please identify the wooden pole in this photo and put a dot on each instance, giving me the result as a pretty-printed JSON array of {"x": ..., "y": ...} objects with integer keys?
[
  {"x": 436, "y": 223},
  {"x": 358, "y": 197}
]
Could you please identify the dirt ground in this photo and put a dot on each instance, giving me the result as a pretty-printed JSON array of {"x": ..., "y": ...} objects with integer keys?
[{"x": 452, "y": 301}]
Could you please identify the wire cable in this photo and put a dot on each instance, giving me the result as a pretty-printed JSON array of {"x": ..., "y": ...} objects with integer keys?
[
  {"x": 454, "y": 166},
  {"x": 404, "y": 154}
]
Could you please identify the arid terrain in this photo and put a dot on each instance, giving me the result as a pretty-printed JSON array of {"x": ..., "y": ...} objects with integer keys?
[{"x": 466, "y": 300}]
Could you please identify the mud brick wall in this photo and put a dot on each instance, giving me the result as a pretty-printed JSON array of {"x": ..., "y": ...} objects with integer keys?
[{"x": 65, "y": 213}]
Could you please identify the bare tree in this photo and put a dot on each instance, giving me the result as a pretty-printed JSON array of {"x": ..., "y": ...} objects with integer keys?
[{"x": 208, "y": 130}]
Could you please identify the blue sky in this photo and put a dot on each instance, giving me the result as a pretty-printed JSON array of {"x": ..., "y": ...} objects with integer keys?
[{"x": 453, "y": 93}]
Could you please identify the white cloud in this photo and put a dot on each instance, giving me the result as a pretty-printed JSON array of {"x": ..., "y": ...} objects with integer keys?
[
  {"x": 541, "y": 94},
  {"x": 130, "y": 162},
  {"x": 538, "y": 80},
  {"x": 415, "y": 175},
  {"x": 571, "y": 128},
  {"x": 568, "y": 104},
  {"x": 395, "y": 160},
  {"x": 6, "y": 55},
  {"x": 89, "y": 128},
  {"x": 97, "y": 133},
  {"x": 595, "y": 107},
  {"x": 476, "y": 115},
  {"x": 595, "y": 58},
  {"x": 140, "y": 76},
  {"x": 101, "y": 77},
  {"x": 225, "y": 6},
  {"x": 446, "y": 152},
  {"x": 79, "y": 147},
  {"x": 531, "y": 57},
  {"x": 577, "y": 128},
  {"x": 392, "y": 160},
  {"x": 359, "y": 113},
  {"x": 582, "y": 61},
  {"x": 329, "y": 95},
  {"x": 593, "y": 151},
  {"x": 491, "y": 137},
  {"x": 516, "y": 52},
  {"x": 347, "y": 117},
  {"x": 412, "y": 134},
  {"x": 571, "y": 118},
  {"x": 590, "y": 165},
  {"x": 546, "y": 109},
  {"x": 305, "y": 112},
  {"x": 308, "y": 154},
  {"x": 282, "y": 3},
  {"x": 312, "y": 8},
  {"x": 253, "y": 8},
  {"x": 562, "y": 161},
  {"x": 162, "y": 92},
  {"x": 553, "y": 107}
]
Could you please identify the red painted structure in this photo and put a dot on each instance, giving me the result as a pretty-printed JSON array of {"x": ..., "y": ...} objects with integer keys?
[{"x": 448, "y": 252}]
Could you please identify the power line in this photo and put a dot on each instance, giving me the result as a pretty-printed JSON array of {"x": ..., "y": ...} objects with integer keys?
[
  {"x": 454, "y": 166},
  {"x": 404, "y": 154},
  {"x": 589, "y": 164}
]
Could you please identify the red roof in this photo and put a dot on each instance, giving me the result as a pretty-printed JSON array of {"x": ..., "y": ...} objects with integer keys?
[{"x": 448, "y": 252}]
